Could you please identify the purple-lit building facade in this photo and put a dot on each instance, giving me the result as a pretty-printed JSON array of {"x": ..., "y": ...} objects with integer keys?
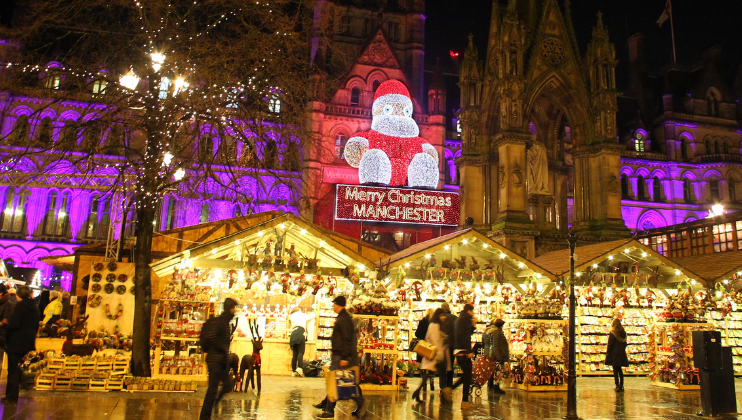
[{"x": 682, "y": 137}]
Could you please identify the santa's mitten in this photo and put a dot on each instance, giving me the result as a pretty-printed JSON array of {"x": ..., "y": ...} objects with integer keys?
[
  {"x": 375, "y": 167},
  {"x": 354, "y": 150},
  {"x": 423, "y": 171}
]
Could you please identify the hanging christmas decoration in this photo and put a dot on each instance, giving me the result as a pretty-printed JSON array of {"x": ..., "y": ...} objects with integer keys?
[
  {"x": 118, "y": 314},
  {"x": 392, "y": 153}
]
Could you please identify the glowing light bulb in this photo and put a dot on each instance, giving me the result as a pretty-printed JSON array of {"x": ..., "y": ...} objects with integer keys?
[
  {"x": 167, "y": 158},
  {"x": 610, "y": 257},
  {"x": 578, "y": 274},
  {"x": 644, "y": 254},
  {"x": 130, "y": 80},
  {"x": 595, "y": 265},
  {"x": 213, "y": 251},
  {"x": 303, "y": 232},
  {"x": 446, "y": 247},
  {"x": 626, "y": 251},
  {"x": 406, "y": 265},
  {"x": 179, "y": 174},
  {"x": 538, "y": 275},
  {"x": 502, "y": 256},
  {"x": 521, "y": 265},
  {"x": 693, "y": 282},
  {"x": 260, "y": 233},
  {"x": 427, "y": 256},
  {"x": 237, "y": 242},
  {"x": 484, "y": 245},
  {"x": 677, "y": 272},
  {"x": 539, "y": 287},
  {"x": 282, "y": 226},
  {"x": 180, "y": 84},
  {"x": 361, "y": 267},
  {"x": 465, "y": 242},
  {"x": 321, "y": 243}
]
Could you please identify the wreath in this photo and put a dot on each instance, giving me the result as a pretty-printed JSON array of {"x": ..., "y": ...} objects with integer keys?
[
  {"x": 131, "y": 290},
  {"x": 123, "y": 278},
  {"x": 111, "y": 278},
  {"x": 112, "y": 266},
  {"x": 94, "y": 300},
  {"x": 118, "y": 314},
  {"x": 121, "y": 289},
  {"x": 97, "y": 277},
  {"x": 95, "y": 288},
  {"x": 109, "y": 288},
  {"x": 98, "y": 267}
]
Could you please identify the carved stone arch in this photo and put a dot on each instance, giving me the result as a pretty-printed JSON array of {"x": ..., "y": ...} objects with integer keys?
[
  {"x": 376, "y": 75},
  {"x": 355, "y": 81},
  {"x": 22, "y": 110},
  {"x": 650, "y": 219},
  {"x": 689, "y": 174},
  {"x": 659, "y": 173},
  {"x": 627, "y": 170},
  {"x": 642, "y": 172},
  {"x": 712, "y": 174},
  {"x": 735, "y": 173}
]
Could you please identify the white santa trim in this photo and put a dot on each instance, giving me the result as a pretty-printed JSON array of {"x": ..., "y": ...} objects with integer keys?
[{"x": 393, "y": 98}]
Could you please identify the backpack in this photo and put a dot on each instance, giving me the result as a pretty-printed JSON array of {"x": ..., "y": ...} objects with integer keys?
[{"x": 208, "y": 334}]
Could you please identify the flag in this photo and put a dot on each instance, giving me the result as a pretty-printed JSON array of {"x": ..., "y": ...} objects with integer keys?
[{"x": 665, "y": 14}]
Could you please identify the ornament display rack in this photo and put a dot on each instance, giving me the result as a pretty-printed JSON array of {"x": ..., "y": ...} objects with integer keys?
[
  {"x": 730, "y": 326},
  {"x": 592, "y": 339},
  {"x": 181, "y": 342},
  {"x": 533, "y": 344},
  {"x": 672, "y": 355},
  {"x": 383, "y": 357},
  {"x": 326, "y": 320}
]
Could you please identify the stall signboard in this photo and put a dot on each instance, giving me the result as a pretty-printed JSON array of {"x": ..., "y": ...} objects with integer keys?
[
  {"x": 397, "y": 205},
  {"x": 335, "y": 175}
]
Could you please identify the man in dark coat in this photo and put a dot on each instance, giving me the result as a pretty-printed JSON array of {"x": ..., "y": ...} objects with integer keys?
[
  {"x": 448, "y": 328},
  {"x": 218, "y": 337},
  {"x": 463, "y": 330},
  {"x": 496, "y": 347},
  {"x": 344, "y": 349},
  {"x": 22, "y": 328}
]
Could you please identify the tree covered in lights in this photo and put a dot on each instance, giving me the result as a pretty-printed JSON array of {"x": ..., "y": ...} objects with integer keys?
[{"x": 176, "y": 97}]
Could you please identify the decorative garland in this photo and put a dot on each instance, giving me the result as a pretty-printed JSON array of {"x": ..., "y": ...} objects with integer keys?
[
  {"x": 94, "y": 300},
  {"x": 118, "y": 314}
]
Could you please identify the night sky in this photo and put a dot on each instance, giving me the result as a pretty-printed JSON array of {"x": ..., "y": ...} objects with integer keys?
[{"x": 698, "y": 24}]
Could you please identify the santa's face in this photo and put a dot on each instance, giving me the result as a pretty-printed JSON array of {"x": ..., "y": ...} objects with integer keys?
[{"x": 392, "y": 115}]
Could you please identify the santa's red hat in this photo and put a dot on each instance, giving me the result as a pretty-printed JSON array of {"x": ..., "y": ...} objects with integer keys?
[{"x": 392, "y": 91}]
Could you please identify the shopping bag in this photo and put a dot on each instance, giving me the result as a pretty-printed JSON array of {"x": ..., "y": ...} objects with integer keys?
[
  {"x": 482, "y": 369},
  {"x": 343, "y": 384},
  {"x": 425, "y": 349}
]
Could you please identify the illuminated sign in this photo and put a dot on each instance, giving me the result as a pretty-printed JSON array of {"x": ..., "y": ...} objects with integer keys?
[
  {"x": 333, "y": 175},
  {"x": 399, "y": 205}
]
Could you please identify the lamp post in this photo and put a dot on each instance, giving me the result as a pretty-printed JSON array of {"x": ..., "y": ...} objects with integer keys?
[{"x": 571, "y": 375}]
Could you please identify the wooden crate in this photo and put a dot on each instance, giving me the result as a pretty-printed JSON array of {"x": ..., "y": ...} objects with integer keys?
[
  {"x": 80, "y": 383},
  {"x": 98, "y": 384},
  {"x": 70, "y": 364},
  {"x": 104, "y": 366},
  {"x": 45, "y": 381},
  {"x": 62, "y": 382},
  {"x": 56, "y": 363},
  {"x": 88, "y": 365},
  {"x": 121, "y": 365},
  {"x": 115, "y": 383}
]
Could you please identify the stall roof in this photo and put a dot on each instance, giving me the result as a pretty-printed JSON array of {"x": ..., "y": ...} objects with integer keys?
[
  {"x": 713, "y": 267},
  {"x": 63, "y": 262},
  {"x": 467, "y": 243},
  {"x": 333, "y": 250},
  {"x": 557, "y": 262}
]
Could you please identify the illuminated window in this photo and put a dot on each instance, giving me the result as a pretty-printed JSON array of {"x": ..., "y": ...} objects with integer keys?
[
  {"x": 458, "y": 125},
  {"x": 99, "y": 87},
  {"x": 53, "y": 81},
  {"x": 340, "y": 146},
  {"x": 205, "y": 215},
  {"x": 679, "y": 244},
  {"x": 723, "y": 237},
  {"x": 355, "y": 96},
  {"x": 56, "y": 221},
  {"x": 698, "y": 241},
  {"x": 164, "y": 87},
  {"x": 14, "y": 215},
  {"x": 659, "y": 244},
  {"x": 274, "y": 105},
  {"x": 639, "y": 142},
  {"x": 739, "y": 234}
]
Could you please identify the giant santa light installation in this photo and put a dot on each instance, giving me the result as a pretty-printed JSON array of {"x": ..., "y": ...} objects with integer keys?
[{"x": 392, "y": 153}]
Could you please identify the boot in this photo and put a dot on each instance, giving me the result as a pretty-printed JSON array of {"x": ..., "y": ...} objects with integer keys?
[
  {"x": 447, "y": 395},
  {"x": 432, "y": 386},
  {"x": 416, "y": 395}
]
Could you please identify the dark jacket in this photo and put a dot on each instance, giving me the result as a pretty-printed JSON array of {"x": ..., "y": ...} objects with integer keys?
[
  {"x": 422, "y": 330},
  {"x": 344, "y": 339},
  {"x": 218, "y": 336},
  {"x": 6, "y": 307},
  {"x": 66, "y": 314},
  {"x": 448, "y": 328},
  {"x": 496, "y": 345},
  {"x": 463, "y": 329},
  {"x": 22, "y": 327},
  {"x": 616, "y": 353}
]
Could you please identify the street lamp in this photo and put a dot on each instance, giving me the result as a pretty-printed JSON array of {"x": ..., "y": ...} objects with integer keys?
[
  {"x": 717, "y": 209},
  {"x": 571, "y": 375}
]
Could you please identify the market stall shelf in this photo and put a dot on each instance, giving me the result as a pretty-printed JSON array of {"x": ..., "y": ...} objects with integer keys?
[
  {"x": 672, "y": 355},
  {"x": 536, "y": 357},
  {"x": 379, "y": 338}
]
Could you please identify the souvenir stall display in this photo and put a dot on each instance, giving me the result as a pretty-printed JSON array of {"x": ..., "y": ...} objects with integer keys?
[
  {"x": 269, "y": 269},
  {"x": 110, "y": 301},
  {"x": 726, "y": 317},
  {"x": 538, "y": 353}
]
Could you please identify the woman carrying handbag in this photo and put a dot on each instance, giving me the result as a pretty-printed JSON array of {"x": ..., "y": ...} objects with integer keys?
[
  {"x": 616, "y": 353},
  {"x": 441, "y": 361}
]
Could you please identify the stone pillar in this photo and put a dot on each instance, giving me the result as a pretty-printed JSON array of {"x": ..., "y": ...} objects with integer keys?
[
  {"x": 633, "y": 187},
  {"x": 472, "y": 192},
  {"x": 314, "y": 156},
  {"x": 512, "y": 172},
  {"x": 598, "y": 191}
]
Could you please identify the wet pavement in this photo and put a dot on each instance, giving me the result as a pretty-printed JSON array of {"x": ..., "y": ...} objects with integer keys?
[{"x": 286, "y": 398}]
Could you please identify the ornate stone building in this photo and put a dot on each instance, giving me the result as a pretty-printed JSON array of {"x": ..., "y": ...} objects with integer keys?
[{"x": 539, "y": 131}]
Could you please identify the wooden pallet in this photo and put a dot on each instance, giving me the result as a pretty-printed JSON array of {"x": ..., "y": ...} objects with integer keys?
[
  {"x": 98, "y": 384},
  {"x": 88, "y": 365},
  {"x": 80, "y": 383},
  {"x": 45, "y": 381},
  {"x": 104, "y": 366},
  {"x": 71, "y": 364},
  {"x": 115, "y": 383},
  {"x": 62, "y": 382}
]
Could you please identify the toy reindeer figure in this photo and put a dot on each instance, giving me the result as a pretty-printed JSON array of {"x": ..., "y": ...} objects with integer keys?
[
  {"x": 251, "y": 362},
  {"x": 70, "y": 349}
]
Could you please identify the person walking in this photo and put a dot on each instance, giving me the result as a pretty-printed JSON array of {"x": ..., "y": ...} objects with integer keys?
[
  {"x": 496, "y": 347},
  {"x": 448, "y": 328},
  {"x": 53, "y": 310},
  {"x": 441, "y": 362},
  {"x": 6, "y": 310},
  {"x": 66, "y": 313},
  {"x": 615, "y": 355},
  {"x": 22, "y": 328},
  {"x": 215, "y": 339},
  {"x": 42, "y": 300},
  {"x": 344, "y": 354},
  {"x": 422, "y": 330},
  {"x": 463, "y": 330},
  {"x": 298, "y": 340}
]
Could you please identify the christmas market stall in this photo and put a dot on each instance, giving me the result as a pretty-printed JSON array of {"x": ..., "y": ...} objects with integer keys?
[
  {"x": 468, "y": 267},
  {"x": 270, "y": 269},
  {"x": 658, "y": 301}
]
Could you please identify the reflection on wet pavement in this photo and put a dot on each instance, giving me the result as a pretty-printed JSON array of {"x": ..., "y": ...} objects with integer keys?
[{"x": 286, "y": 398}]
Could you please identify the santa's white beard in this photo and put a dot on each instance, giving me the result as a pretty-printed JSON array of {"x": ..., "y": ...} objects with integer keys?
[{"x": 395, "y": 125}]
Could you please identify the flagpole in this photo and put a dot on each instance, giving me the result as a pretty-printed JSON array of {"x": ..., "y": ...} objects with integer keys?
[{"x": 672, "y": 31}]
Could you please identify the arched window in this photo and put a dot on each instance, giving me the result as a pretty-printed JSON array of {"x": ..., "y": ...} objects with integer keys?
[
  {"x": 14, "y": 215},
  {"x": 53, "y": 81},
  {"x": 714, "y": 190},
  {"x": 206, "y": 147},
  {"x": 21, "y": 129},
  {"x": 274, "y": 105},
  {"x": 640, "y": 142},
  {"x": 375, "y": 86},
  {"x": 340, "y": 146},
  {"x": 170, "y": 221},
  {"x": 355, "y": 96},
  {"x": 291, "y": 157},
  {"x": 99, "y": 87},
  {"x": 164, "y": 88},
  {"x": 713, "y": 102},
  {"x": 92, "y": 228},
  {"x": 46, "y": 131},
  {"x": 624, "y": 187},
  {"x": 91, "y": 137},
  {"x": 657, "y": 189},
  {"x": 68, "y": 138},
  {"x": 270, "y": 155},
  {"x": 732, "y": 184},
  {"x": 684, "y": 149},
  {"x": 687, "y": 190},
  {"x": 205, "y": 215},
  {"x": 237, "y": 210},
  {"x": 709, "y": 146},
  {"x": 641, "y": 188},
  {"x": 57, "y": 214},
  {"x": 726, "y": 148},
  {"x": 458, "y": 125}
]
